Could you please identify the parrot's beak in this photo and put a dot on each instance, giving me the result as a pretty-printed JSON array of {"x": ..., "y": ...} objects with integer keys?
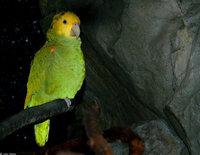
[{"x": 75, "y": 30}]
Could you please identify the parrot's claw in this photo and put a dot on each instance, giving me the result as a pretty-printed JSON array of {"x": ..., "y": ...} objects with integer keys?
[{"x": 68, "y": 101}]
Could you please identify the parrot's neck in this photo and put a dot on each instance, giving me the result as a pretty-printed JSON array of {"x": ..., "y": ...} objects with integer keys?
[
  {"x": 64, "y": 41},
  {"x": 52, "y": 36}
]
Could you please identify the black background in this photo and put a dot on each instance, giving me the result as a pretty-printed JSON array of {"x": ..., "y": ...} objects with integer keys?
[{"x": 20, "y": 37}]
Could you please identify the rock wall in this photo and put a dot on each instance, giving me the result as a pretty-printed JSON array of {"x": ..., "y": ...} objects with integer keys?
[{"x": 142, "y": 61}]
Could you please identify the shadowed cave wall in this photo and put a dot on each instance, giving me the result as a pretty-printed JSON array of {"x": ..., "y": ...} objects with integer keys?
[{"x": 142, "y": 62}]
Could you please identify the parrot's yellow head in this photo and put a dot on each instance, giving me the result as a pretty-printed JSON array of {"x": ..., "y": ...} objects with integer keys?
[{"x": 66, "y": 24}]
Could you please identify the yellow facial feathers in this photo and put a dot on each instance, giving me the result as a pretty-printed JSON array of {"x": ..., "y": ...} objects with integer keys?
[{"x": 64, "y": 22}]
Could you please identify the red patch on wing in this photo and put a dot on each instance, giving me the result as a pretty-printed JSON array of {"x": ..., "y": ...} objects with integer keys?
[
  {"x": 28, "y": 98},
  {"x": 52, "y": 49}
]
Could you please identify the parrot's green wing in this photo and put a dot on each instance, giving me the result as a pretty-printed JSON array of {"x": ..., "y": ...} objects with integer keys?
[
  {"x": 36, "y": 79},
  {"x": 37, "y": 74}
]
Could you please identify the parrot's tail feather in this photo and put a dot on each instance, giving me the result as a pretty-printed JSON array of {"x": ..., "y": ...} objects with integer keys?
[{"x": 42, "y": 132}]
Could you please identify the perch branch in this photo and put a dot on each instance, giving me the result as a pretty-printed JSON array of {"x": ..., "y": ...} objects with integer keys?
[{"x": 32, "y": 115}]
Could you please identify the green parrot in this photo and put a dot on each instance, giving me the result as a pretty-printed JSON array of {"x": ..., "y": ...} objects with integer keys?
[{"x": 58, "y": 68}]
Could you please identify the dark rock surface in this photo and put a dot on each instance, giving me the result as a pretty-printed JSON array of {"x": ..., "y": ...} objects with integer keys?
[
  {"x": 119, "y": 148},
  {"x": 159, "y": 139},
  {"x": 142, "y": 61}
]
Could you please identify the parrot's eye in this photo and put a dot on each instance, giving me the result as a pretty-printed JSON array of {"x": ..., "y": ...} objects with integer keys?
[{"x": 65, "y": 22}]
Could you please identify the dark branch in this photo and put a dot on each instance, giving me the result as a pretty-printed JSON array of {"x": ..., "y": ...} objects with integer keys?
[{"x": 32, "y": 115}]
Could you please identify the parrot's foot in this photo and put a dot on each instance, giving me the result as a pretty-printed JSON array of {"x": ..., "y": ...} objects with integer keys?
[{"x": 68, "y": 101}]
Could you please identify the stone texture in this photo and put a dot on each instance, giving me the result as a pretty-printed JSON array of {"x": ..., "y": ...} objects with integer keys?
[
  {"x": 119, "y": 148},
  {"x": 142, "y": 61},
  {"x": 159, "y": 139}
]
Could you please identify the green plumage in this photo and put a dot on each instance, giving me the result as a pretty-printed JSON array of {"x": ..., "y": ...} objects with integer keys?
[{"x": 57, "y": 72}]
